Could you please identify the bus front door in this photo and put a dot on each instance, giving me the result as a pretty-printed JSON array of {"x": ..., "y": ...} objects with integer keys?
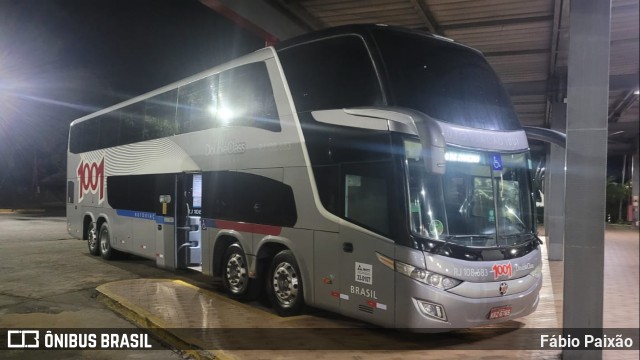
[{"x": 366, "y": 277}]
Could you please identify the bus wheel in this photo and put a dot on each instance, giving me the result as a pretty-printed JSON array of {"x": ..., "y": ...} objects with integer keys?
[
  {"x": 92, "y": 239},
  {"x": 106, "y": 251},
  {"x": 284, "y": 284},
  {"x": 235, "y": 278}
]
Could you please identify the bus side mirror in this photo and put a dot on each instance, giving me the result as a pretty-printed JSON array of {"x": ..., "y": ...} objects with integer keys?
[
  {"x": 434, "y": 159},
  {"x": 433, "y": 144}
]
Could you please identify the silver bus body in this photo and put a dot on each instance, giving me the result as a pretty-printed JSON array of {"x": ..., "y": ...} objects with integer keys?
[{"x": 345, "y": 242}]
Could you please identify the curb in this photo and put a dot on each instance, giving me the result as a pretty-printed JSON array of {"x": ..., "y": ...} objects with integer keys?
[
  {"x": 22, "y": 211},
  {"x": 152, "y": 324}
]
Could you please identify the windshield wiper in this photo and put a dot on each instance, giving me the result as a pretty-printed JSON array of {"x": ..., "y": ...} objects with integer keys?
[
  {"x": 451, "y": 237},
  {"x": 508, "y": 236},
  {"x": 470, "y": 240},
  {"x": 513, "y": 239}
]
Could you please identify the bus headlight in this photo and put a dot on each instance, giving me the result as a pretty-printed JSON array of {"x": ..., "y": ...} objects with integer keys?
[{"x": 427, "y": 277}]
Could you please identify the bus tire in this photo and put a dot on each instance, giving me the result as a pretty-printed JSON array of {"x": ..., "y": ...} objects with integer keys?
[
  {"x": 235, "y": 275},
  {"x": 104, "y": 240},
  {"x": 284, "y": 284},
  {"x": 92, "y": 239}
]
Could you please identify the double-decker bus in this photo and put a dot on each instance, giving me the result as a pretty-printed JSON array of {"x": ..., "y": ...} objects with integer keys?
[{"x": 369, "y": 170}]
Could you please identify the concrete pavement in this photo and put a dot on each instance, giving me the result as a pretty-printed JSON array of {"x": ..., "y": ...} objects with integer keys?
[{"x": 49, "y": 280}]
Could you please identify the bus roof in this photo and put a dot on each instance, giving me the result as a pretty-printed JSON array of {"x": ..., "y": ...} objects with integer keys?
[{"x": 358, "y": 29}]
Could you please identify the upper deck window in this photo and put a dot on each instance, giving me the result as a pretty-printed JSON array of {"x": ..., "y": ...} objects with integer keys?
[
  {"x": 446, "y": 81},
  {"x": 332, "y": 73},
  {"x": 240, "y": 96}
]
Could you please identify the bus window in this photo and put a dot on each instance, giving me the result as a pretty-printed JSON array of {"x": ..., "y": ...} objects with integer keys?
[
  {"x": 85, "y": 137},
  {"x": 109, "y": 129},
  {"x": 245, "y": 98},
  {"x": 139, "y": 192},
  {"x": 481, "y": 208},
  {"x": 246, "y": 197},
  {"x": 160, "y": 115},
  {"x": 331, "y": 74},
  {"x": 445, "y": 81},
  {"x": 366, "y": 195},
  {"x": 196, "y": 194},
  {"x": 197, "y": 105},
  {"x": 131, "y": 124},
  {"x": 514, "y": 198},
  {"x": 240, "y": 96}
]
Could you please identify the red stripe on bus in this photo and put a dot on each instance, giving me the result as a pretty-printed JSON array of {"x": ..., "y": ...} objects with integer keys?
[{"x": 248, "y": 227}]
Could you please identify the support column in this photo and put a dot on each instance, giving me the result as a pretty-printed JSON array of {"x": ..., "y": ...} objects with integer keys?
[
  {"x": 547, "y": 180},
  {"x": 635, "y": 187},
  {"x": 587, "y": 112},
  {"x": 554, "y": 201}
]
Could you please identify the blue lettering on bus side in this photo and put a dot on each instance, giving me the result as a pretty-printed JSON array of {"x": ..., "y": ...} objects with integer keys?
[{"x": 136, "y": 214}]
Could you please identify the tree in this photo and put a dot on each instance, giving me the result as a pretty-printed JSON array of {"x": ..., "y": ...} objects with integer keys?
[{"x": 617, "y": 195}]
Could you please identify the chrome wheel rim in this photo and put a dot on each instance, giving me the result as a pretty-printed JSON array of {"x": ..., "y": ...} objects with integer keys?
[
  {"x": 236, "y": 273},
  {"x": 93, "y": 237},
  {"x": 104, "y": 241},
  {"x": 285, "y": 284}
]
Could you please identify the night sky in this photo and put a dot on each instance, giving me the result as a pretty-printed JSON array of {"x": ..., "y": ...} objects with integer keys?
[{"x": 62, "y": 59}]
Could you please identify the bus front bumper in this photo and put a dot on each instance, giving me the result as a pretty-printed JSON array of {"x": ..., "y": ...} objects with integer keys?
[{"x": 457, "y": 312}]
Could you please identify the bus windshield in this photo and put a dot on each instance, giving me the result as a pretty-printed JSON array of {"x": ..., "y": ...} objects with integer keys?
[
  {"x": 444, "y": 80},
  {"x": 482, "y": 200}
]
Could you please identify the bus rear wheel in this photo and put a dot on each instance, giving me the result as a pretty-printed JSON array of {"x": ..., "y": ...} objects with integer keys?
[
  {"x": 92, "y": 239},
  {"x": 106, "y": 251},
  {"x": 284, "y": 284},
  {"x": 235, "y": 279}
]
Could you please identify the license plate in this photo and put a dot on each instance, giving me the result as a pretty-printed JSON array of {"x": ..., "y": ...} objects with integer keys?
[{"x": 499, "y": 312}]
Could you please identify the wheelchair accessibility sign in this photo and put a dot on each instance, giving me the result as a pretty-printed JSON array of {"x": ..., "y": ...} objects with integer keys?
[{"x": 496, "y": 162}]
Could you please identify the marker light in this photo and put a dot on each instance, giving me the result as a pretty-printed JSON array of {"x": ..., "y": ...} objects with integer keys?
[
  {"x": 427, "y": 277},
  {"x": 462, "y": 157}
]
